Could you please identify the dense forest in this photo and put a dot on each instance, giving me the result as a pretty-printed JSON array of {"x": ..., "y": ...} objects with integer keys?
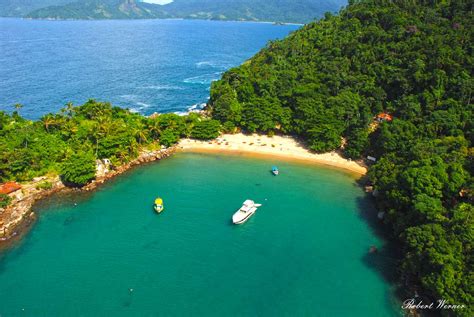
[
  {"x": 100, "y": 9},
  {"x": 387, "y": 79},
  {"x": 18, "y": 8},
  {"x": 300, "y": 11},
  {"x": 68, "y": 143},
  {"x": 391, "y": 80}
]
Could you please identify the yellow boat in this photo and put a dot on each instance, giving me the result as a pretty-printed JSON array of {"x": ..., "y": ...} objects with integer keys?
[{"x": 158, "y": 205}]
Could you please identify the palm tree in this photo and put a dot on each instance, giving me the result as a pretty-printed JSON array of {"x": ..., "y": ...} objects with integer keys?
[
  {"x": 48, "y": 120},
  {"x": 140, "y": 135},
  {"x": 155, "y": 129},
  {"x": 69, "y": 109},
  {"x": 103, "y": 125}
]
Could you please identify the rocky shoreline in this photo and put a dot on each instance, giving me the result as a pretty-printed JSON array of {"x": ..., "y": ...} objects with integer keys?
[{"x": 19, "y": 215}]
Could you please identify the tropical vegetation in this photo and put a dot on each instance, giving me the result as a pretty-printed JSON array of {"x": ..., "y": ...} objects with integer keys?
[
  {"x": 389, "y": 80},
  {"x": 69, "y": 143}
]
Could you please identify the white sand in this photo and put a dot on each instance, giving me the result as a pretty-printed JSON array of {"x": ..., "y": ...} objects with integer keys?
[{"x": 276, "y": 146}]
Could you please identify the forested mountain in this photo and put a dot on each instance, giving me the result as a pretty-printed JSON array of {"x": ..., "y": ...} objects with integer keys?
[
  {"x": 18, "y": 8},
  {"x": 393, "y": 80},
  {"x": 101, "y": 9},
  {"x": 248, "y": 10},
  {"x": 251, "y": 10}
]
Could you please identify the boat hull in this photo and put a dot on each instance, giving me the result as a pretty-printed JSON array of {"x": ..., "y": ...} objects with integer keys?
[
  {"x": 158, "y": 209},
  {"x": 242, "y": 219}
]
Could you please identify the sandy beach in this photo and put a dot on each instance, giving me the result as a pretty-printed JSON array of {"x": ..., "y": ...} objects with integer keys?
[
  {"x": 277, "y": 146},
  {"x": 282, "y": 147}
]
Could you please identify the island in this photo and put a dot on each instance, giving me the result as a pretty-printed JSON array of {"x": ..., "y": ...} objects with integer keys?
[
  {"x": 389, "y": 83},
  {"x": 281, "y": 11}
]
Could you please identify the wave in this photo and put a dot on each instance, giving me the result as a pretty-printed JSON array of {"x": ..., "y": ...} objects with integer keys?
[
  {"x": 213, "y": 64},
  {"x": 142, "y": 105},
  {"x": 194, "y": 108},
  {"x": 162, "y": 87},
  {"x": 33, "y": 40},
  {"x": 129, "y": 97},
  {"x": 134, "y": 99},
  {"x": 205, "y": 79}
]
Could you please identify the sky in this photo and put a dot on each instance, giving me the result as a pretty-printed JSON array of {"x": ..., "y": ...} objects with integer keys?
[{"x": 158, "y": 1}]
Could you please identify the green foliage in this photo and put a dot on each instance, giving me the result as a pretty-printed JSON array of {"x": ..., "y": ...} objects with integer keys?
[
  {"x": 329, "y": 80},
  {"x": 79, "y": 169},
  {"x": 229, "y": 127},
  {"x": 358, "y": 142},
  {"x": 206, "y": 130},
  {"x": 235, "y": 10},
  {"x": 18, "y": 8},
  {"x": 46, "y": 185},
  {"x": 29, "y": 149},
  {"x": 5, "y": 200},
  {"x": 323, "y": 138},
  {"x": 169, "y": 137}
]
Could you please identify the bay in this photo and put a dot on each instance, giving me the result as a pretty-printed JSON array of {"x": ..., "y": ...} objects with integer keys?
[{"x": 304, "y": 252}]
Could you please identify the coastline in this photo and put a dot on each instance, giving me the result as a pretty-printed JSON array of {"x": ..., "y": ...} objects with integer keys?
[
  {"x": 283, "y": 147},
  {"x": 17, "y": 217},
  {"x": 164, "y": 19}
]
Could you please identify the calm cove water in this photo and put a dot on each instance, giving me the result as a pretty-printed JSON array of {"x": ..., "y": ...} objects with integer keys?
[
  {"x": 144, "y": 65},
  {"x": 304, "y": 253}
]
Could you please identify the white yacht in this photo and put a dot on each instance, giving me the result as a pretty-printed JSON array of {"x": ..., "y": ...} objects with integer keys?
[{"x": 245, "y": 212}]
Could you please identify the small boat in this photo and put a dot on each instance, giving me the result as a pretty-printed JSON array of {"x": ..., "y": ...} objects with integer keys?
[
  {"x": 245, "y": 212},
  {"x": 158, "y": 205},
  {"x": 275, "y": 171}
]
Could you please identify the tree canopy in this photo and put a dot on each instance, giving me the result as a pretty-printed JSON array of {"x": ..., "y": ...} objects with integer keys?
[
  {"x": 296, "y": 11},
  {"x": 393, "y": 80},
  {"x": 68, "y": 143}
]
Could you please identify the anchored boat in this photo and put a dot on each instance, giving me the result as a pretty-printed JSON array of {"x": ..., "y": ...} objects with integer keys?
[
  {"x": 275, "y": 171},
  {"x": 158, "y": 205},
  {"x": 245, "y": 212}
]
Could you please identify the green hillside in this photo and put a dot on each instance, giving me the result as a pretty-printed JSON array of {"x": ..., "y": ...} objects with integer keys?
[
  {"x": 100, "y": 9},
  {"x": 18, "y": 8},
  {"x": 301, "y": 11},
  {"x": 411, "y": 62}
]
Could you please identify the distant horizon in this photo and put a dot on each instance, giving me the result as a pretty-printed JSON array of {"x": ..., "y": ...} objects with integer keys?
[{"x": 161, "y": 2}]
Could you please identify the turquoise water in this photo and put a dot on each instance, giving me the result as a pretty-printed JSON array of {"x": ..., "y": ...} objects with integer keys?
[
  {"x": 304, "y": 253},
  {"x": 144, "y": 65}
]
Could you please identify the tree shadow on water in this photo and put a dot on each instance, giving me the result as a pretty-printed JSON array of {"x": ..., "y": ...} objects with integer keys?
[{"x": 385, "y": 257}]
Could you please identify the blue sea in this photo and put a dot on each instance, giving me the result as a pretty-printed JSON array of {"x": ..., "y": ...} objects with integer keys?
[
  {"x": 145, "y": 65},
  {"x": 107, "y": 253}
]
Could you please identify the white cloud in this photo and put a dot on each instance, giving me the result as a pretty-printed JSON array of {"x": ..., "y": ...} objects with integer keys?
[{"x": 158, "y": 1}]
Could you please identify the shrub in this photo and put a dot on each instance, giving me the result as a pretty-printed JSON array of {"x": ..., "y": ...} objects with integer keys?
[
  {"x": 229, "y": 127},
  {"x": 5, "y": 200},
  {"x": 206, "y": 130},
  {"x": 168, "y": 137},
  {"x": 46, "y": 185},
  {"x": 79, "y": 169}
]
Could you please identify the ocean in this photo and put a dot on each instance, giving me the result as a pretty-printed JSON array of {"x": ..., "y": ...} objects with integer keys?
[
  {"x": 107, "y": 253},
  {"x": 145, "y": 65}
]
